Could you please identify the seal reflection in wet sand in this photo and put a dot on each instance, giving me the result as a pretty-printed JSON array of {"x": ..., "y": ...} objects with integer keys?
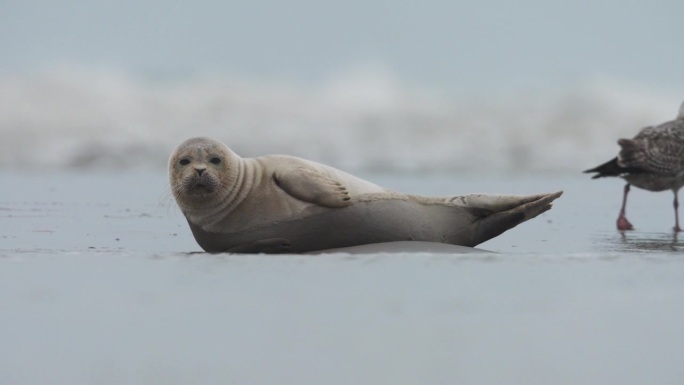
[{"x": 284, "y": 204}]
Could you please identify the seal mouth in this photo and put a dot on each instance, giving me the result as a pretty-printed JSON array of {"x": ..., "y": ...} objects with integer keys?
[{"x": 200, "y": 186}]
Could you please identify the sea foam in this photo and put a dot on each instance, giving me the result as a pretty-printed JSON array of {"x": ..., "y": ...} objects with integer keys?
[{"x": 362, "y": 121}]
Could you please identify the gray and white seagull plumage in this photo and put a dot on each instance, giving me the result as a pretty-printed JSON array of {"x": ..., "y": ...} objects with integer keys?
[{"x": 653, "y": 160}]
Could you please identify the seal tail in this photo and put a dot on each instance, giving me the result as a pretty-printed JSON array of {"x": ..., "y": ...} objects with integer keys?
[{"x": 510, "y": 211}]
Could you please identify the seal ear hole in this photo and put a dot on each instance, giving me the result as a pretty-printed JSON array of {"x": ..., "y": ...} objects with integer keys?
[
  {"x": 215, "y": 160},
  {"x": 184, "y": 162}
]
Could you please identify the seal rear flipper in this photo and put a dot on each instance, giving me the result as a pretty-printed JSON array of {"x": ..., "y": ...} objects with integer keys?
[
  {"x": 485, "y": 204},
  {"x": 311, "y": 186},
  {"x": 267, "y": 246},
  {"x": 497, "y": 223}
]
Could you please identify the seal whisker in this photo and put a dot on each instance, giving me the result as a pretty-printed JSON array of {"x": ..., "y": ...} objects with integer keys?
[{"x": 166, "y": 200}]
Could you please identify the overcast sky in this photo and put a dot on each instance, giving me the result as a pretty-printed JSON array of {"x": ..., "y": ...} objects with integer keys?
[{"x": 488, "y": 43}]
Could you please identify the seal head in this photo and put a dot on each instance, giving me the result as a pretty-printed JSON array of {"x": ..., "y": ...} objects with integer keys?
[{"x": 204, "y": 174}]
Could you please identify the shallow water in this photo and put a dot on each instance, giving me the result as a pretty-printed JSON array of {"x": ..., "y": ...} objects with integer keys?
[{"x": 101, "y": 282}]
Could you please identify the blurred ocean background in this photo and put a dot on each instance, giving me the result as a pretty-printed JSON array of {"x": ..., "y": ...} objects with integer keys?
[{"x": 364, "y": 85}]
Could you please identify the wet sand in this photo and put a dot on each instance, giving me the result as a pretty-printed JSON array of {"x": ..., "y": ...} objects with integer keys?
[
  {"x": 134, "y": 212},
  {"x": 101, "y": 282}
]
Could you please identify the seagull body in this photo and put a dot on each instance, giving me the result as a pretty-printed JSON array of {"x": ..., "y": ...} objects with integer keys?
[{"x": 653, "y": 160}]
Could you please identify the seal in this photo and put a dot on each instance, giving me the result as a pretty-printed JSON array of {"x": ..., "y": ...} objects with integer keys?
[{"x": 284, "y": 204}]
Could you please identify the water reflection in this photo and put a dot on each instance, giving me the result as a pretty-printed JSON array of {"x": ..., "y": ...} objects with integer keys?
[{"x": 640, "y": 242}]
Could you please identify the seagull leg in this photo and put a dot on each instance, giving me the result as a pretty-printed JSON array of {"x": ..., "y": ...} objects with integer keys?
[
  {"x": 622, "y": 222},
  {"x": 676, "y": 210}
]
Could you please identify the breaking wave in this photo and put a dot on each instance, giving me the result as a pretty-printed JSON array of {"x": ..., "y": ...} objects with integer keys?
[{"x": 360, "y": 121}]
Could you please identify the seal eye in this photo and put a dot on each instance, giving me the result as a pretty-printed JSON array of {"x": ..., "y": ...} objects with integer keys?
[
  {"x": 184, "y": 162},
  {"x": 215, "y": 160}
]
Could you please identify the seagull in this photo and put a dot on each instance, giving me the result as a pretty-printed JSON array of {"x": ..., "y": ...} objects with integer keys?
[{"x": 653, "y": 160}]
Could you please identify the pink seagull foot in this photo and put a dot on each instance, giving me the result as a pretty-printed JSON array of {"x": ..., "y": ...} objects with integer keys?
[{"x": 623, "y": 224}]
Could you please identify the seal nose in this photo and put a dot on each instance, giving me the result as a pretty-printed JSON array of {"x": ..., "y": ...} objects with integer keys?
[{"x": 200, "y": 170}]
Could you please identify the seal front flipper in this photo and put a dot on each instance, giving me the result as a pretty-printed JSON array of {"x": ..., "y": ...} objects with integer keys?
[
  {"x": 268, "y": 246},
  {"x": 310, "y": 185}
]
